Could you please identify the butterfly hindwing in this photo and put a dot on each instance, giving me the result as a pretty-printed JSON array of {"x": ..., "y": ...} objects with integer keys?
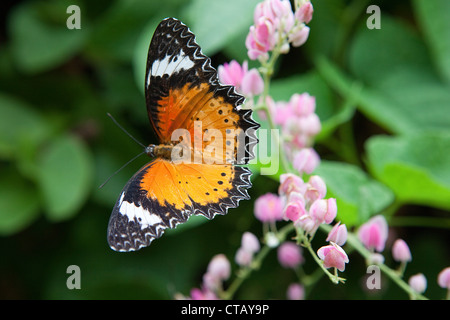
[{"x": 145, "y": 208}]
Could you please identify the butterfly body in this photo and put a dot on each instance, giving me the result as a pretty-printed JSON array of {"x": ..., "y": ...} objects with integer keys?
[{"x": 204, "y": 136}]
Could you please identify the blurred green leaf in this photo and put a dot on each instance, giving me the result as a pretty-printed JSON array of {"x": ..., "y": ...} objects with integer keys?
[
  {"x": 416, "y": 167},
  {"x": 19, "y": 202},
  {"x": 20, "y": 127},
  {"x": 400, "y": 79},
  {"x": 434, "y": 19},
  {"x": 358, "y": 196},
  {"x": 65, "y": 172},
  {"x": 213, "y": 33},
  {"x": 40, "y": 37}
]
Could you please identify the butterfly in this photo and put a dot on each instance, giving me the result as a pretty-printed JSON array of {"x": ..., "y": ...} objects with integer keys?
[{"x": 204, "y": 136}]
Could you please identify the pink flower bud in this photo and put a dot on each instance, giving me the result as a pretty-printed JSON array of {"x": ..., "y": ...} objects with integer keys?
[
  {"x": 294, "y": 210},
  {"x": 338, "y": 234},
  {"x": 299, "y": 35},
  {"x": 252, "y": 83},
  {"x": 307, "y": 223},
  {"x": 290, "y": 255},
  {"x": 310, "y": 124},
  {"x": 373, "y": 234},
  {"x": 290, "y": 182},
  {"x": 306, "y": 160},
  {"x": 205, "y": 294},
  {"x": 249, "y": 242},
  {"x": 444, "y": 278},
  {"x": 400, "y": 251},
  {"x": 219, "y": 267},
  {"x": 323, "y": 210},
  {"x": 232, "y": 73},
  {"x": 243, "y": 257},
  {"x": 261, "y": 39},
  {"x": 333, "y": 256},
  {"x": 304, "y": 13},
  {"x": 418, "y": 282},
  {"x": 295, "y": 291},
  {"x": 316, "y": 189},
  {"x": 302, "y": 104},
  {"x": 268, "y": 208}
]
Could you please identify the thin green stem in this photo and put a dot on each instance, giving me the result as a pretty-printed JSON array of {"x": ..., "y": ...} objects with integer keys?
[
  {"x": 244, "y": 272},
  {"x": 392, "y": 274}
]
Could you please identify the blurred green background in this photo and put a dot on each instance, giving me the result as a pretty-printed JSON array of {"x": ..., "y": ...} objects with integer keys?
[{"x": 382, "y": 95}]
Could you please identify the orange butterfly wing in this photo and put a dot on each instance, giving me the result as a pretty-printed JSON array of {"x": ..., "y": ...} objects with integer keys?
[
  {"x": 168, "y": 194},
  {"x": 183, "y": 92}
]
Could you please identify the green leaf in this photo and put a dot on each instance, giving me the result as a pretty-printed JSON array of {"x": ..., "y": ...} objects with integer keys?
[
  {"x": 21, "y": 127},
  {"x": 65, "y": 172},
  {"x": 358, "y": 196},
  {"x": 40, "y": 37},
  {"x": 400, "y": 79},
  {"x": 19, "y": 202},
  {"x": 434, "y": 19},
  {"x": 212, "y": 33},
  {"x": 415, "y": 167}
]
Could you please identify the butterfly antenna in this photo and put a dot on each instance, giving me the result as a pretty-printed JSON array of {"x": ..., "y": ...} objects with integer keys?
[
  {"x": 123, "y": 129},
  {"x": 129, "y": 161}
]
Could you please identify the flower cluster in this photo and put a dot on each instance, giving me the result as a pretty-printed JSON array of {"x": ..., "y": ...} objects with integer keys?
[
  {"x": 300, "y": 204},
  {"x": 276, "y": 25},
  {"x": 299, "y": 124},
  {"x": 374, "y": 234},
  {"x": 303, "y": 204},
  {"x": 219, "y": 269}
]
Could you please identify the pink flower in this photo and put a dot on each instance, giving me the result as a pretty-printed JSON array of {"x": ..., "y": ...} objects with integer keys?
[
  {"x": 306, "y": 160},
  {"x": 299, "y": 35},
  {"x": 252, "y": 83},
  {"x": 205, "y": 294},
  {"x": 232, "y": 73},
  {"x": 304, "y": 13},
  {"x": 444, "y": 278},
  {"x": 295, "y": 291},
  {"x": 333, "y": 256},
  {"x": 247, "y": 82},
  {"x": 261, "y": 39},
  {"x": 280, "y": 110},
  {"x": 338, "y": 234},
  {"x": 249, "y": 246},
  {"x": 302, "y": 104},
  {"x": 323, "y": 210},
  {"x": 219, "y": 267},
  {"x": 268, "y": 208},
  {"x": 290, "y": 255},
  {"x": 307, "y": 223},
  {"x": 243, "y": 257},
  {"x": 294, "y": 210},
  {"x": 310, "y": 124},
  {"x": 279, "y": 12},
  {"x": 316, "y": 189},
  {"x": 290, "y": 182},
  {"x": 400, "y": 251},
  {"x": 249, "y": 242},
  {"x": 373, "y": 234},
  {"x": 418, "y": 282}
]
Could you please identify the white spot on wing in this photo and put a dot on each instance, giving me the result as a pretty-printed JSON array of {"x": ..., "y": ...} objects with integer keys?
[
  {"x": 170, "y": 65},
  {"x": 144, "y": 217}
]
